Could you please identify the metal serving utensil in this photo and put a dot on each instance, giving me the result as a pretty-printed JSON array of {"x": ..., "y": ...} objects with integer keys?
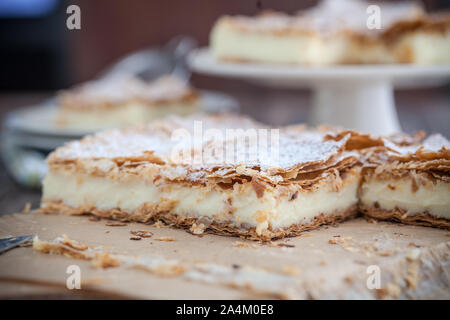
[{"x": 12, "y": 242}]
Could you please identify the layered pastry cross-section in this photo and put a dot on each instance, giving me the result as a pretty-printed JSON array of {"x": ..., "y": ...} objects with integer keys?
[
  {"x": 336, "y": 32},
  {"x": 252, "y": 181},
  {"x": 408, "y": 181},
  {"x": 124, "y": 101}
]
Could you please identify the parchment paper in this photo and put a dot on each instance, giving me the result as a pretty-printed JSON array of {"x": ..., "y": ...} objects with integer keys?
[{"x": 329, "y": 263}]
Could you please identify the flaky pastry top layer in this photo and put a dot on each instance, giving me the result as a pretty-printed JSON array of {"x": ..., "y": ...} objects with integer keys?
[
  {"x": 222, "y": 148},
  {"x": 228, "y": 146},
  {"x": 402, "y": 154}
]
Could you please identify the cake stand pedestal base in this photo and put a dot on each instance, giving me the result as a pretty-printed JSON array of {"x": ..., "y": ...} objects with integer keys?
[{"x": 364, "y": 105}]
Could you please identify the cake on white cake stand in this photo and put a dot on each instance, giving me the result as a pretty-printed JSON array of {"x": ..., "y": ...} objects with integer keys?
[{"x": 354, "y": 96}]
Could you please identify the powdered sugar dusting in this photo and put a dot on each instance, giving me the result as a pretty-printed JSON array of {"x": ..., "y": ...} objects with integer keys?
[
  {"x": 433, "y": 144},
  {"x": 221, "y": 150}
]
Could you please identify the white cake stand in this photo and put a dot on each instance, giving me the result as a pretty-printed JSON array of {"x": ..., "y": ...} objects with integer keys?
[{"x": 354, "y": 96}]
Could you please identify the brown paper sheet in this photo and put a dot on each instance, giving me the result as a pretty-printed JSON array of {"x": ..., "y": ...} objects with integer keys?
[{"x": 329, "y": 263}]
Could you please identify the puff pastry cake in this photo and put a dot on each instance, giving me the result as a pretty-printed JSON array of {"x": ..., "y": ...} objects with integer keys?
[
  {"x": 124, "y": 101},
  {"x": 336, "y": 32},
  {"x": 213, "y": 184}
]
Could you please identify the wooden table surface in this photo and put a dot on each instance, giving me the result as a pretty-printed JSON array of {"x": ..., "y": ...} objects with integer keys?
[{"x": 424, "y": 109}]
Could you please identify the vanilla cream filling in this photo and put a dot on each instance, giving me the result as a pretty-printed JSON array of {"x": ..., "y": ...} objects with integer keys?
[
  {"x": 430, "y": 197},
  {"x": 128, "y": 114},
  {"x": 239, "y": 205},
  {"x": 426, "y": 48}
]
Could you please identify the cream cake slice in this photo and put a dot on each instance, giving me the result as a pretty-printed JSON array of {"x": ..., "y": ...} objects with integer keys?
[
  {"x": 124, "y": 101},
  {"x": 408, "y": 180},
  {"x": 336, "y": 32},
  {"x": 223, "y": 181}
]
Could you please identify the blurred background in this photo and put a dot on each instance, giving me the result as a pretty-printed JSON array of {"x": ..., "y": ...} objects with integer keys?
[{"x": 39, "y": 55}]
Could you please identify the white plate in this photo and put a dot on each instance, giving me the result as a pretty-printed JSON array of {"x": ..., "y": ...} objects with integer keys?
[
  {"x": 40, "y": 119},
  {"x": 202, "y": 61}
]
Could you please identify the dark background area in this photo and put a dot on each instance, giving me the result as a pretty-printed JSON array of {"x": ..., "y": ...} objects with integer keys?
[{"x": 39, "y": 55}]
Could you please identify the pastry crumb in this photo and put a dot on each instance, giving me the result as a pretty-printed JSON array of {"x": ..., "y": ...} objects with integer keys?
[
  {"x": 105, "y": 260},
  {"x": 348, "y": 279},
  {"x": 386, "y": 253},
  {"x": 142, "y": 233},
  {"x": 339, "y": 240},
  {"x": 115, "y": 224},
  {"x": 166, "y": 239},
  {"x": 73, "y": 243},
  {"x": 169, "y": 270},
  {"x": 241, "y": 244},
  {"x": 197, "y": 229},
  {"x": 281, "y": 245}
]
